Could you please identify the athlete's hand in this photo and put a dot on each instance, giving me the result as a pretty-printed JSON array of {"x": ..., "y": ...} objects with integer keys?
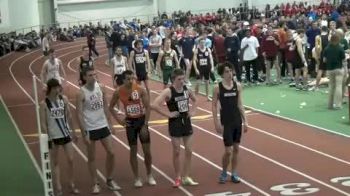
[
  {"x": 174, "y": 114},
  {"x": 111, "y": 128},
  {"x": 245, "y": 127},
  {"x": 219, "y": 128},
  {"x": 87, "y": 140},
  {"x": 197, "y": 71},
  {"x": 144, "y": 132}
]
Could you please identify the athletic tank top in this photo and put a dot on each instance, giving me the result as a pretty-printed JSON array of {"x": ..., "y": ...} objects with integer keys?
[
  {"x": 93, "y": 108},
  {"x": 119, "y": 65},
  {"x": 179, "y": 101},
  {"x": 229, "y": 113},
  {"x": 140, "y": 61},
  {"x": 132, "y": 101},
  {"x": 57, "y": 124},
  {"x": 85, "y": 63},
  {"x": 53, "y": 70},
  {"x": 168, "y": 59},
  {"x": 290, "y": 51},
  {"x": 203, "y": 57}
]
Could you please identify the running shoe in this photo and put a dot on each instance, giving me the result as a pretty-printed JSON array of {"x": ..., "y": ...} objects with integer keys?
[
  {"x": 223, "y": 177},
  {"x": 189, "y": 181},
  {"x": 96, "y": 189},
  {"x": 138, "y": 183},
  {"x": 112, "y": 185},
  {"x": 151, "y": 180},
  {"x": 235, "y": 178},
  {"x": 177, "y": 182}
]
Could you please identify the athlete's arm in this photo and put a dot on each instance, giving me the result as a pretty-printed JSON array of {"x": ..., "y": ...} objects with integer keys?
[
  {"x": 300, "y": 49},
  {"x": 156, "y": 104},
  {"x": 146, "y": 103},
  {"x": 159, "y": 59},
  {"x": 113, "y": 72},
  {"x": 131, "y": 61},
  {"x": 194, "y": 60},
  {"x": 43, "y": 73},
  {"x": 79, "y": 103},
  {"x": 43, "y": 117},
  {"x": 115, "y": 103},
  {"x": 105, "y": 108},
  {"x": 68, "y": 115},
  {"x": 241, "y": 108},
  {"x": 148, "y": 67},
  {"x": 176, "y": 60},
  {"x": 214, "y": 108},
  {"x": 194, "y": 102},
  {"x": 62, "y": 68},
  {"x": 211, "y": 60}
]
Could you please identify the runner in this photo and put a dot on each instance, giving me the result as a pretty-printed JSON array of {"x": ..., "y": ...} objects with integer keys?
[
  {"x": 119, "y": 63},
  {"x": 95, "y": 125},
  {"x": 202, "y": 56},
  {"x": 139, "y": 63},
  {"x": 177, "y": 97},
  {"x": 51, "y": 68},
  {"x": 135, "y": 100},
  {"x": 167, "y": 61},
  {"x": 229, "y": 94},
  {"x": 56, "y": 121}
]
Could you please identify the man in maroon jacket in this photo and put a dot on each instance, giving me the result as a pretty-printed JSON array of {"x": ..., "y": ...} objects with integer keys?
[{"x": 270, "y": 46}]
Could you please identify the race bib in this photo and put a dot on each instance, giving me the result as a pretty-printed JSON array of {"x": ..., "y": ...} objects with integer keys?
[
  {"x": 57, "y": 113},
  {"x": 169, "y": 62},
  {"x": 134, "y": 109},
  {"x": 139, "y": 59},
  {"x": 120, "y": 69},
  {"x": 182, "y": 106},
  {"x": 96, "y": 105},
  {"x": 203, "y": 62}
]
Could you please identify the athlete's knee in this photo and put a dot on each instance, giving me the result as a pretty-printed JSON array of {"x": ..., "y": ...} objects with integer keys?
[
  {"x": 228, "y": 152},
  {"x": 176, "y": 152}
]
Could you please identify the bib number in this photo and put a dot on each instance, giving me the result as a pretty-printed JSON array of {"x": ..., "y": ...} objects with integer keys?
[
  {"x": 169, "y": 62},
  {"x": 120, "y": 69},
  {"x": 133, "y": 109},
  {"x": 140, "y": 59},
  {"x": 96, "y": 105},
  {"x": 203, "y": 62},
  {"x": 182, "y": 106},
  {"x": 57, "y": 113}
]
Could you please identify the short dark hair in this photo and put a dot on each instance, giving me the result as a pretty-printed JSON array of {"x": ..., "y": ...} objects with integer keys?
[
  {"x": 127, "y": 73},
  {"x": 221, "y": 67},
  {"x": 138, "y": 41},
  {"x": 51, "y": 51},
  {"x": 52, "y": 83},
  {"x": 176, "y": 73}
]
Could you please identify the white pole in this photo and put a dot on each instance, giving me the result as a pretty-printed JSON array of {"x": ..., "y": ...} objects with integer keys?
[
  {"x": 36, "y": 104},
  {"x": 44, "y": 148}
]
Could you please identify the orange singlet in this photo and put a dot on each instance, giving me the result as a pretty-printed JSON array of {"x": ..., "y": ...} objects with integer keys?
[{"x": 132, "y": 101}]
